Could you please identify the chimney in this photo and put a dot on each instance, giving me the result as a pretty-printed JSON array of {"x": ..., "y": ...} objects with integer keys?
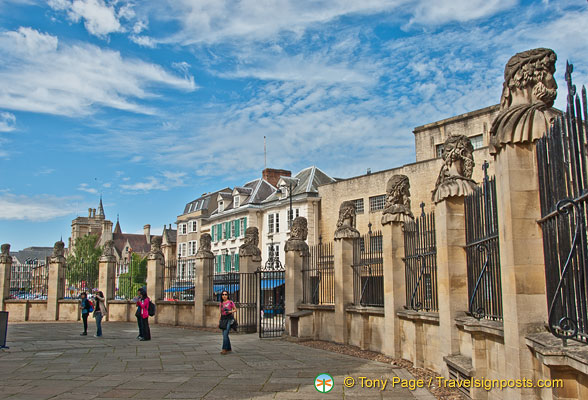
[
  {"x": 273, "y": 175},
  {"x": 89, "y": 213},
  {"x": 147, "y": 232},
  {"x": 93, "y": 213}
]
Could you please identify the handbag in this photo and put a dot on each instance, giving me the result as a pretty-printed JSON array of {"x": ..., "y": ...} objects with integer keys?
[{"x": 222, "y": 324}]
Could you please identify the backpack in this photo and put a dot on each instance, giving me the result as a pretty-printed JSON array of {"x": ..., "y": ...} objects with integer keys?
[
  {"x": 90, "y": 306},
  {"x": 151, "y": 309}
]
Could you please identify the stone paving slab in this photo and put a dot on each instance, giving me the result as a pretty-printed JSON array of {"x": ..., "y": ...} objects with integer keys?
[{"x": 51, "y": 361}]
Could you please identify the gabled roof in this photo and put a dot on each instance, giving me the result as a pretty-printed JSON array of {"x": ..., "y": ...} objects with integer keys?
[
  {"x": 31, "y": 253},
  {"x": 137, "y": 242},
  {"x": 306, "y": 181},
  {"x": 203, "y": 202},
  {"x": 169, "y": 235},
  {"x": 261, "y": 190}
]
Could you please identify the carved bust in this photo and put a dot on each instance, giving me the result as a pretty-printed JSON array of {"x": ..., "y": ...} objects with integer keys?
[
  {"x": 205, "y": 246},
  {"x": 528, "y": 93},
  {"x": 155, "y": 251},
  {"x": 5, "y": 255},
  {"x": 108, "y": 251},
  {"x": 455, "y": 177},
  {"x": 397, "y": 206},
  {"x": 58, "y": 252},
  {"x": 251, "y": 245},
  {"x": 346, "y": 222},
  {"x": 298, "y": 234}
]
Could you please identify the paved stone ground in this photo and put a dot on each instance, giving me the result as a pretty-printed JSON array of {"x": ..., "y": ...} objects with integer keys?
[{"x": 51, "y": 361}]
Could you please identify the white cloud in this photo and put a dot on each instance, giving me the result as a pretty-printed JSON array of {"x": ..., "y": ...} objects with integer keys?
[
  {"x": 166, "y": 181},
  {"x": 34, "y": 208},
  {"x": 7, "y": 122},
  {"x": 84, "y": 187},
  {"x": 439, "y": 12},
  {"x": 100, "y": 19},
  {"x": 144, "y": 41},
  {"x": 39, "y": 74}
]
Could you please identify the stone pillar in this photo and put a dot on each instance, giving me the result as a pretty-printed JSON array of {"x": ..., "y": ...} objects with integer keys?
[
  {"x": 297, "y": 254},
  {"x": 56, "y": 281},
  {"x": 394, "y": 284},
  {"x": 249, "y": 263},
  {"x": 203, "y": 269},
  {"x": 106, "y": 272},
  {"x": 451, "y": 272},
  {"x": 521, "y": 257},
  {"x": 154, "y": 276},
  {"x": 5, "y": 270},
  {"x": 343, "y": 252}
]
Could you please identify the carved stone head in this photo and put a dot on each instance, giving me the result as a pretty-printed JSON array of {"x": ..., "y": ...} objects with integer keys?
[
  {"x": 346, "y": 221},
  {"x": 205, "y": 246},
  {"x": 397, "y": 206},
  {"x": 251, "y": 245},
  {"x": 299, "y": 229},
  {"x": 455, "y": 177},
  {"x": 108, "y": 249},
  {"x": 155, "y": 251},
  {"x": 58, "y": 249},
  {"x": 528, "y": 93},
  {"x": 5, "y": 255}
]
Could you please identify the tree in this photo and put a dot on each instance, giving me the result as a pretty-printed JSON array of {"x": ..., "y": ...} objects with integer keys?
[
  {"x": 81, "y": 271},
  {"x": 130, "y": 282}
]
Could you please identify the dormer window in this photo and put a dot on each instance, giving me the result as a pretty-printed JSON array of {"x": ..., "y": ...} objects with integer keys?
[
  {"x": 221, "y": 206},
  {"x": 236, "y": 201}
]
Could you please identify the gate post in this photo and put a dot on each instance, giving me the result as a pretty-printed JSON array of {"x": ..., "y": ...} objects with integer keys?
[
  {"x": 202, "y": 272},
  {"x": 343, "y": 260},
  {"x": 56, "y": 281},
  {"x": 155, "y": 271},
  {"x": 296, "y": 251},
  {"x": 5, "y": 270},
  {"x": 452, "y": 276},
  {"x": 394, "y": 284},
  {"x": 106, "y": 266}
]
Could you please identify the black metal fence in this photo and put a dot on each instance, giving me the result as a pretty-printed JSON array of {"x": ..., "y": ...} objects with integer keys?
[
  {"x": 243, "y": 291},
  {"x": 563, "y": 182},
  {"x": 178, "y": 280},
  {"x": 29, "y": 281},
  {"x": 483, "y": 251},
  {"x": 368, "y": 270},
  {"x": 129, "y": 277},
  {"x": 420, "y": 260},
  {"x": 80, "y": 276},
  {"x": 318, "y": 275}
]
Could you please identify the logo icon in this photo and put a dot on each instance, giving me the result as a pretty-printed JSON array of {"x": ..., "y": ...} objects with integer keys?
[{"x": 324, "y": 383}]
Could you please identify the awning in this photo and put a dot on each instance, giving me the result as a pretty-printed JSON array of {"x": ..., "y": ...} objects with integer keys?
[
  {"x": 271, "y": 283},
  {"x": 229, "y": 288},
  {"x": 178, "y": 289}
]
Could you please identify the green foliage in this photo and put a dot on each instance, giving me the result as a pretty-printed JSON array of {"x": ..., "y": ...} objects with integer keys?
[
  {"x": 130, "y": 282},
  {"x": 82, "y": 264}
]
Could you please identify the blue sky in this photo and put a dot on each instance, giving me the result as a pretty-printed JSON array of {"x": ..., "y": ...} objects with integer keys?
[{"x": 152, "y": 103}]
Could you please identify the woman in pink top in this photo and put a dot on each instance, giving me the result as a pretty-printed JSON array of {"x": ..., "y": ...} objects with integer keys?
[
  {"x": 143, "y": 315},
  {"x": 227, "y": 309}
]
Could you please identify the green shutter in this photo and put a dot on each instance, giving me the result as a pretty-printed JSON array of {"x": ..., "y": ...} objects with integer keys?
[
  {"x": 245, "y": 225},
  {"x": 227, "y": 263},
  {"x": 237, "y": 262},
  {"x": 218, "y": 264},
  {"x": 218, "y": 232},
  {"x": 237, "y": 227}
]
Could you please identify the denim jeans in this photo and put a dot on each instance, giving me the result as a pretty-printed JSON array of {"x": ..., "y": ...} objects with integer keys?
[
  {"x": 98, "y": 317},
  {"x": 85, "y": 320},
  {"x": 226, "y": 340}
]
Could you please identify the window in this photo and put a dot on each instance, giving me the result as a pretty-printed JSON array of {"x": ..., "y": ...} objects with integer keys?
[
  {"x": 439, "y": 150},
  {"x": 477, "y": 141},
  {"x": 270, "y": 223},
  {"x": 276, "y": 249},
  {"x": 358, "y": 206},
  {"x": 296, "y": 212},
  {"x": 243, "y": 223},
  {"x": 182, "y": 249},
  {"x": 377, "y": 203},
  {"x": 192, "y": 249},
  {"x": 221, "y": 206},
  {"x": 235, "y": 201},
  {"x": 192, "y": 226},
  {"x": 183, "y": 228}
]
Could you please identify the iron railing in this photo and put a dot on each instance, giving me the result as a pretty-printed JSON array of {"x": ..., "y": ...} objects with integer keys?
[
  {"x": 80, "y": 276},
  {"x": 318, "y": 275},
  {"x": 178, "y": 280},
  {"x": 483, "y": 251},
  {"x": 563, "y": 184},
  {"x": 368, "y": 270},
  {"x": 243, "y": 291},
  {"x": 29, "y": 281},
  {"x": 129, "y": 277},
  {"x": 420, "y": 260}
]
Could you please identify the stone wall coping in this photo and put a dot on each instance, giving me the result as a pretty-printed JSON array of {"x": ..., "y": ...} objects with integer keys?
[
  {"x": 112, "y": 301},
  {"x": 461, "y": 363},
  {"x": 24, "y": 301},
  {"x": 551, "y": 352},
  {"x": 301, "y": 313},
  {"x": 318, "y": 307},
  {"x": 472, "y": 325},
  {"x": 78, "y": 301},
  {"x": 174, "y": 302},
  {"x": 212, "y": 303},
  {"x": 411, "y": 315},
  {"x": 365, "y": 310}
]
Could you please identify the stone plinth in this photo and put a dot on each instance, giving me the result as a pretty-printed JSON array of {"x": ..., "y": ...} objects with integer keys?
[
  {"x": 295, "y": 260},
  {"x": 343, "y": 252},
  {"x": 5, "y": 268},
  {"x": 154, "y": 278},
  {"x": 55, "y": 287},
  {"x": 202, "y": 270}
]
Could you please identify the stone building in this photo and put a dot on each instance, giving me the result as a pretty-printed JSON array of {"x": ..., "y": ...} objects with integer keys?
[{"x": 368, "y": 191}]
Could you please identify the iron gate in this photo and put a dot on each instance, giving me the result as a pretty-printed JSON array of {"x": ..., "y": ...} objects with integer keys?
[
  {"x": 483, "y": 252},
  {"x": 272, "y": 291},
  {"x": 242, "y": 288}
]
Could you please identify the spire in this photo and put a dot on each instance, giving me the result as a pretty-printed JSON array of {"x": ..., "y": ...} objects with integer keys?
[
  {"x": 100, "y": 208},
  {"x": 117, "y": 227}
]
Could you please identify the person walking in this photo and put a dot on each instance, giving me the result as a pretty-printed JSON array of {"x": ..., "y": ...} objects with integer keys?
[
  {"x": 226, "y": 319},
  {"x": 86, "y": 306},
  {"x": 143, "y": 315},
  {"x": 99, "y": 312}
]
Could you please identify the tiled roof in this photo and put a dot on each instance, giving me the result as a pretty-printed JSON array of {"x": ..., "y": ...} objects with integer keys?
[
  {"x": 306, "y": 181},
  {"x": 171, "y": 235},
  {"x": 137, "y": 242},
  {"x": 31, "y": 253}
]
